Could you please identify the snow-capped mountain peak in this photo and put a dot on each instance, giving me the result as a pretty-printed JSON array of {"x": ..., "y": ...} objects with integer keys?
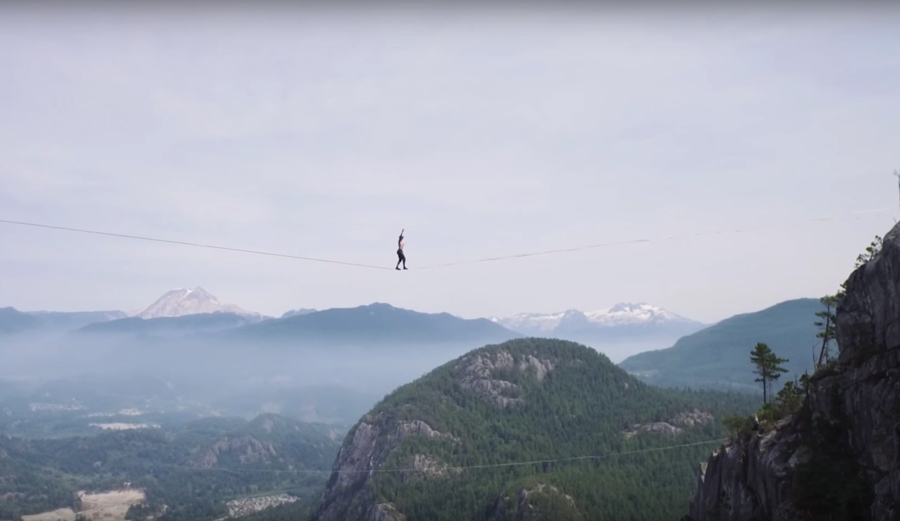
[
  {"x": 189, "y": 301},
  {"x": 617, "y": 331},
  {"x": 628, "y": 313},
  {"x": 296, "y": 312},
  {"x": 621, "y": 314},
  {"x": 533, "y": 321}
]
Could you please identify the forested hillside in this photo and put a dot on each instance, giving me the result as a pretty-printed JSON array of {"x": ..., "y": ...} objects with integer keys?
[
  {"x": 521, "y": 401},
  {"x": 716, "y": 357}
]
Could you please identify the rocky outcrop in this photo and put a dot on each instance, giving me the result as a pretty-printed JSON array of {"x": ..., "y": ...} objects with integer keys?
[
  {"x": 692, "y": 418},
  {"x": 681, "y": 421},
  {"x": 538, "y": 503},
  {"x": 248, "y": 450},
  {"x": 656, "y": 428},
  {"x": 540, "y": 367},
  {"x": 839, "y": 457},
  {"x": 477, "y": 372},
  {"x": 420, "y": 428},
  {"x": 427, "y": 467},
  {"x": 384, "y": 512}
]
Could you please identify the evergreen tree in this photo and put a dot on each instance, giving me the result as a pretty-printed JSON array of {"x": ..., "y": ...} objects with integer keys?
[
  {"x": 768, "y": 366},
  {"x": 826, "y": 324},
  {"x": 871, "y": 251},
  {"x": 789, "y": 398}
]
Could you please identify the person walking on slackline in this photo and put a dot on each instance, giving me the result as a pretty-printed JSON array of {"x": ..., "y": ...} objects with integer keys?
[{"x": 400, "y": 256}]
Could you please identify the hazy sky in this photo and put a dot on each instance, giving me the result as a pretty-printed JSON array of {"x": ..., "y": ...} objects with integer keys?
[{"x": 481, "y": 133}]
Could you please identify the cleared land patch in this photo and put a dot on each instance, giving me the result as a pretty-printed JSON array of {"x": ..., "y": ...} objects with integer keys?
[{"x": 104, "y": 506}]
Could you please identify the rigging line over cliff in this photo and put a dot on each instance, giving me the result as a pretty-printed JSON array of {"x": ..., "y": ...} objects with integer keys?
[
  {"x": 855, "y": 215},
  {"x": 451, "y": 467}
]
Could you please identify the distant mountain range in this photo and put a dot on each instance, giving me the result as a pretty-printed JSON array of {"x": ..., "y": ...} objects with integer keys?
[
  {"x": 168, "y": 326},
  {"x": 377, "y": 323},
  {"x": 370, "y": 348},
  {"x": 13, "y": 321},
  {"x": 621, "y": 330},
  {"x": 624, "y": 314},
  {"x": 195, "y": 310},
  {"x": 719, "y": 356},
  {"x": 715, "y": 356},
  {"x": 177, "y": 303}
]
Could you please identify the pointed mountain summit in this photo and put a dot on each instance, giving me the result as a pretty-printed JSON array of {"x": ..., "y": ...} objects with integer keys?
[{"x": 185, "y": 301}]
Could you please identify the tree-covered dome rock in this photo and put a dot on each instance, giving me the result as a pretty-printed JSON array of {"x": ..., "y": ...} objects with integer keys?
[{"x": 451, "y": 445}]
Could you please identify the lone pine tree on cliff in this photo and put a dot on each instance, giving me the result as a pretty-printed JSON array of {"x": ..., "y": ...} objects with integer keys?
[
  {"x": 826, "y": 322},
  {"x": 768, "y": 366},
  {"x": 826, "y": 326}
]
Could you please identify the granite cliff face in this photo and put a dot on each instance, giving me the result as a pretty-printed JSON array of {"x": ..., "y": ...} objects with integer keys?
[
  {"x": 369, "y": 445},
  {"x": 838, "y": 458}
]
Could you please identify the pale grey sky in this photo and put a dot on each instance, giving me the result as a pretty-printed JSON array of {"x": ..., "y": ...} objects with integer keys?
[{"x": 481, "y": 133}]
